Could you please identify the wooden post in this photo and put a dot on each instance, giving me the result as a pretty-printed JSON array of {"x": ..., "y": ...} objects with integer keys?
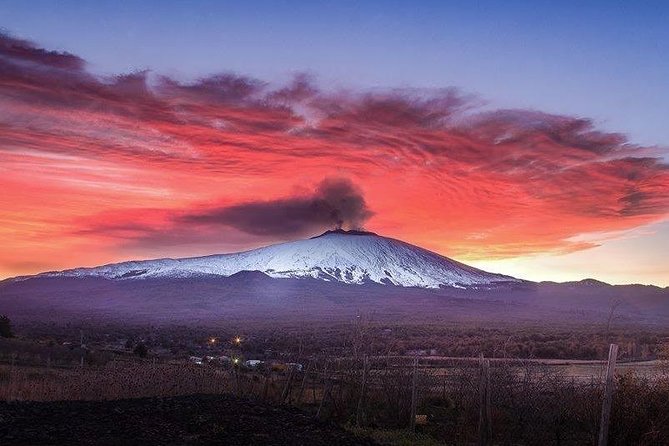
[
  {"x": 413, "y": 394},
  {"x": 286, "y": 390},
  {"x": 238, "y": 389},
  {"x": 304, "y": 382},
  {"x": 485, "y": 426},
  {"x": 488, "y": 405},
  {"x": 358, "y": 412},
  {"x": 81, "y": 346},
  {"x": 608, "y": 396},
  {"x": 326, "y": 389},
  {"x": 265, "y": 388},
  {"x": 314, "y": 384}
]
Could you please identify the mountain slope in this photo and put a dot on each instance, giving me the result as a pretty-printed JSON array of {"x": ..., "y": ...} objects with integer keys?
[{"x": 351, "y": 257}]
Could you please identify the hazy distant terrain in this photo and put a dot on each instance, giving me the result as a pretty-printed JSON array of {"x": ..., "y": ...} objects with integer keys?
[{"x": 253, "y": 295}]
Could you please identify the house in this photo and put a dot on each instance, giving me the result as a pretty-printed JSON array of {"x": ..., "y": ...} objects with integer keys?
[
  {"x": 195, "y": 360},
  {"x": 253, "y": 363}
]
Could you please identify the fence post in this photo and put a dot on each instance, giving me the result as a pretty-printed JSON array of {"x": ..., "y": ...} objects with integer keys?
[
  {"x": 326, "y": 389},
  {"x": 265, "y": 389},
  {"x": 238, "y": 389},
  {"x": 358, "y": 413},
  {"x": 485, "y": 426},
  {"x": 289, "y": 383},
  {"x": 413, "y": 394},
  {"x": 81, "y": 346},
  {"x": 608, "y": 396},
  {"x": 314, "y": 383},
  {"x": 304, "y": 383}
]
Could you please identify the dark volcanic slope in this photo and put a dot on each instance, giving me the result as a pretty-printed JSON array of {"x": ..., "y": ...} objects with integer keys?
[{"x": 187, "y": 420}]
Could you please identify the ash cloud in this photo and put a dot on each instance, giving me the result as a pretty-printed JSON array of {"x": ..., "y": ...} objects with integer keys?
[{"x": 335, "y": 203}]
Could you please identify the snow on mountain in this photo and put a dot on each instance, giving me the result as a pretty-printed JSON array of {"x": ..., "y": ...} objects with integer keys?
[{"x": 352, "y": 257}]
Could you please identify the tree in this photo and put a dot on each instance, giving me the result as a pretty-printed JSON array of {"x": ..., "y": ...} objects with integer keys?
[
  {"x": 613, "y": 307},
  {"x": 5, "y": 327},
  {"x": 141, "y": 350}
]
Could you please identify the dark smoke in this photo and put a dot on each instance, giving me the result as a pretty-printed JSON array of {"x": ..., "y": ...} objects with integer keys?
[{"x": 335, "y": 203}]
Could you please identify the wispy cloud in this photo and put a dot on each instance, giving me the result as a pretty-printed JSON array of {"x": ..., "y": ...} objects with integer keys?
[{"x": 228, "y": 151}]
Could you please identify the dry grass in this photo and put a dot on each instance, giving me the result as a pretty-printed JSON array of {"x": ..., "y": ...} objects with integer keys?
[{"x": 112, "y": 381}]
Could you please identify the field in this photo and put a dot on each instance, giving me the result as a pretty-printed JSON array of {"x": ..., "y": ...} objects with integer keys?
[
  {"x": 369, "y": 376},
  {"x": 186, "y": 420}
]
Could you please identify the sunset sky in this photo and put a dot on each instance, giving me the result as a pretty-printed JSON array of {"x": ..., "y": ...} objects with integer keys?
[{"x": 529, "y": 139}]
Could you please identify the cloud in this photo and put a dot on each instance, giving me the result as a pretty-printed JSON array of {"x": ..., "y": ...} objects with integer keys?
[
  {"x": 436, "y": 168},
  {"x": 335, "y": 203},
  {"x": 23, "y": 50}
]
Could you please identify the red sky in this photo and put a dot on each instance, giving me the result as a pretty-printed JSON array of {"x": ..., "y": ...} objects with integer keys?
[{"x": 95, "y": 170}]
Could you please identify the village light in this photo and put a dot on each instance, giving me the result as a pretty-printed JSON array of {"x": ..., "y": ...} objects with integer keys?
[
  {"x": 212, "y": 340},
  {"x": 238, "y": 340}
]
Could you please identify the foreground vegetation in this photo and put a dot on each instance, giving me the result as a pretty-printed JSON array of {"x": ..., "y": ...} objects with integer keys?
[{"x": 361, "y": 375}]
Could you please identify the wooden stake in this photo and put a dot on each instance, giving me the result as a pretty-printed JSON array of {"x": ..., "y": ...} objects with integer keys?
[
  {"x": 608, "y": 396},
  {"x": 326, "y": 390},
  {"x": 485, "y": 426},
  {"x": 266, "y": 386},
  {"x": 304, "y": 382},
  {"x": 238, "y": 389},
  {"x": 326, "y": 393},
  {"x": 81, "y": 346},
  {"x": 314, "y": 384},
  {"x": 413, "y": 394},
  {"x": 358, "y": 413},
  {"x": 286, "y": 390},
  {"x": 488, "y": 405}
]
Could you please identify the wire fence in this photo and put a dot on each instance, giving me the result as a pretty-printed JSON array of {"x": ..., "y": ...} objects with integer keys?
[{"x": 458, "y": 400}]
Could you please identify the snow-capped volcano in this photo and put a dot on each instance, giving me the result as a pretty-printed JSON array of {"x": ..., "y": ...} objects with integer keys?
[{"x": 352, "y": 257}]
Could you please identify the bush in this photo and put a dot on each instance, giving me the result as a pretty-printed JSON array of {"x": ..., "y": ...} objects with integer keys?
[
  {"x": 141, "y": 350},
  {"x": 5, "y": 327}
]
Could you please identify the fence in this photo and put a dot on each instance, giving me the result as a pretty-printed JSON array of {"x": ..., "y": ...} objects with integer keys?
[{"x": 464, "y": 400}]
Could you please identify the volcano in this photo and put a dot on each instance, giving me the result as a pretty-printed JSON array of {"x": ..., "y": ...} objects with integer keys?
[
  {"x": 335, "y": 275},
  {"x": 350, "y": 257}
]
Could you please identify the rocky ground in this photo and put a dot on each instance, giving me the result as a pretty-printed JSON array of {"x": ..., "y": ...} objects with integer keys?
[{"x": 187, "y": 420}]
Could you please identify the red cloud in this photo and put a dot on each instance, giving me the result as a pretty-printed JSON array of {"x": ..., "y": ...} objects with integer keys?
[{"x": 112, "y": 163}]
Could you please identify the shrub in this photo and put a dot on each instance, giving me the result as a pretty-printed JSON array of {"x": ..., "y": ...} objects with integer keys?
[{"x": 5, "y": 327}]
